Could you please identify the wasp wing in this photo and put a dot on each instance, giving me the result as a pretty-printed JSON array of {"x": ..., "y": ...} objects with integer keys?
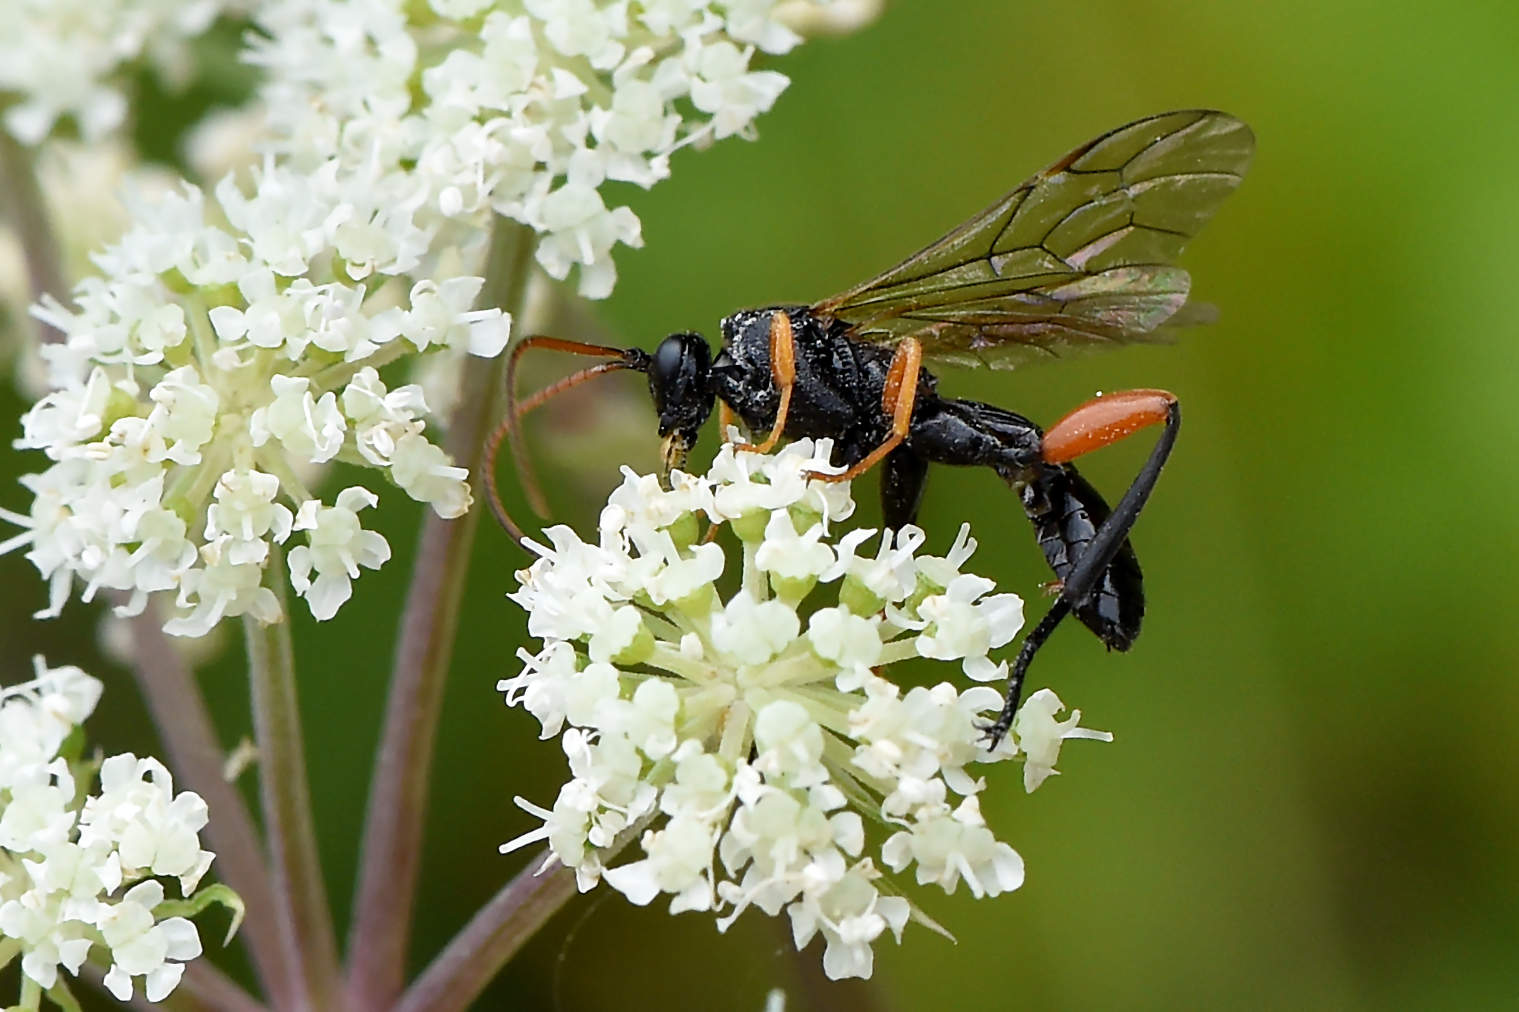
[{"x": 1079, "y": 258}]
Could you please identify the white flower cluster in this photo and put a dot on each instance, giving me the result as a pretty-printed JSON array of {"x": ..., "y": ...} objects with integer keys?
[
  {"x": 525, "y": 107},
  {"x": 231, "y": 343},
  {"x": 223, "y": 351},
  {"x": 58, "y": 57},
  {"x": 80, "y": 870},
  {"x": 758, "y": 728}
]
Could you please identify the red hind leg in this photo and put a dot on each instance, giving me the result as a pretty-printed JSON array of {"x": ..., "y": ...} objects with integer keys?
[{"x": 1103, "y": 421}]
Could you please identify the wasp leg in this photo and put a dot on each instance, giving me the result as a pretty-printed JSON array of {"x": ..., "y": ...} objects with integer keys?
[
  {"x": 903, "y": 475},
  {"x": 897, "y": 400},
  {"x": 1067, "y": 512},
  {"x": 725, "y": 417},
  {"x": 1090, "y": 427},
  {"x": 783, "y": 372}
]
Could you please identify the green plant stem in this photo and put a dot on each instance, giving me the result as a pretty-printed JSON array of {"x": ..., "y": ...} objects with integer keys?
[
  {"x": 299, "y": 891},
  {"x": 179, "y": 711},
  {"x": 470, "y": 961},
  {"x": 26, "y": 208},
  {"x": 381, "y": 934}
]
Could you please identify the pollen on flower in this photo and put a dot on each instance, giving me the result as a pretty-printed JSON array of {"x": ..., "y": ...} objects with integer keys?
[{"x": 747, "y": 743}]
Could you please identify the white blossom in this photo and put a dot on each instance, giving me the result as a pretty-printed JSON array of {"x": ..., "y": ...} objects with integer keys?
[
  {"x": 60, "y": 57},
  {"x": 1039, "y": 735},
  {"x": 525, "y": 111},
  {"x": 82, "y": 868},
  {"x": 242, "y": 331},
  {"x": 339, "y": 546},
  {"x": 747, "y": 748},
  {"x": 161, "y": 430}
]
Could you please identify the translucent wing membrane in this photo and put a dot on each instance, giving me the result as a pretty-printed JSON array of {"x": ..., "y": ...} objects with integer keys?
[{"x": 1076, "y": 259}]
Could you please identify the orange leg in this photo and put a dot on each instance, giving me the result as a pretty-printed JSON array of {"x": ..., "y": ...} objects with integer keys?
[
  {"x": 725, "y": 418},
  {"x": 1093, "y": 425},
  {"x": 897, "y": 400},
  {"x": 1103, "y": 421},
  {"x": 783, "y": 372}
]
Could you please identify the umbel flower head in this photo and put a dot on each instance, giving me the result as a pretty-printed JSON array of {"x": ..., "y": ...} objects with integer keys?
[
  {"x": 81, "y": 868},
  {"x": 521, "y": 107},
  {"x": 59, "y": 57},
  {"x": 231, "y": 342},
  {"x": 753, "y": 740},
  {"x": 224, "y": 351}
]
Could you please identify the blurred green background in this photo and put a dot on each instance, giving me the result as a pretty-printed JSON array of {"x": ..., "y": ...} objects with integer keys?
[{"x": 1312, "y": 801}]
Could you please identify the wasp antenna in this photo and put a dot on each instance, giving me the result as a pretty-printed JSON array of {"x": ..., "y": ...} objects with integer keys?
[
  {"x": 626, "y": 358},
  {"x": 492, "y": 496},
  {"x": 519, "y": 452}
]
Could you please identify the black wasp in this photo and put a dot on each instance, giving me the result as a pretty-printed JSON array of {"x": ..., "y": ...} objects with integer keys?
[{"x": 1077, "y": 259}]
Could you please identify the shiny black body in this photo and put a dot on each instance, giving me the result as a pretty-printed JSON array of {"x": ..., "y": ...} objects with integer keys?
[{"x": 838, "y": 394}]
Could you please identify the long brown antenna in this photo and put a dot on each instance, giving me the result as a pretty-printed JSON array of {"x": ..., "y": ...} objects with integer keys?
[
  {"x": 625, "y": 358},
  {"x": 519, "y": 451}
]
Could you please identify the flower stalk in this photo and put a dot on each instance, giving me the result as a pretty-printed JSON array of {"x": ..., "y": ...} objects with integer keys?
[
  {"x": 179, "y": 712},
  {"x": 215, "y": 990},
  {"x": 476, "y": 954},
  {"x": 394, "y": 820},
  {"x": 471, "y": 960},
  {"x": 26, "y": 207},
  {"x": 299, "y": 891}
]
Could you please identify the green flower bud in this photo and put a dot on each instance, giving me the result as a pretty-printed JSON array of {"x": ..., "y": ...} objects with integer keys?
[
  {"x": 685, "y": 531},
  {"x": 640, "y": 650},
  {"x": 751, "y": 526},
  {"x": 791, "y": 590},
  {"x": 858, "y": 598}
]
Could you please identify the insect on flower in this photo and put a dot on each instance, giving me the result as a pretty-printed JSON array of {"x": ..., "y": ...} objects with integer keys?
[{"x": 1077, "y": 259}]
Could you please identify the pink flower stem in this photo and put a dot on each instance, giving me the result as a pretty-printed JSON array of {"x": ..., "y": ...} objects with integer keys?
[
  {"x": 471, "y": 960},
  {"x": 25, "y": 205},
  {"x": 473, "y": 957},
  {"x": 300, "y": 894},
  {"x": 379, "y": 942},
  {"x": 178, "y": 709}
]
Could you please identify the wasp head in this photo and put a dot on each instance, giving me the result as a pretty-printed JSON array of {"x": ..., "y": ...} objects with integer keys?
[{"x": 680, "y": 382}]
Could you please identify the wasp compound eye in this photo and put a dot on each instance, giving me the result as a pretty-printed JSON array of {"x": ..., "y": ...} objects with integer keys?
[{"x": 679, "y": 383}]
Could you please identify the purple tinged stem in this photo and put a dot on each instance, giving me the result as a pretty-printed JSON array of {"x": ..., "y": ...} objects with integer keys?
[
  {"x": 25, "y": 206},
  {"x": 499, "y": 929},
  {"x": 471, "y": 960},
  {"x": 300, "y": 894},
  {"x": 179, "y": 711},
  {"x": 380, "y": 938},
  {"x": 215, "y": 990}
]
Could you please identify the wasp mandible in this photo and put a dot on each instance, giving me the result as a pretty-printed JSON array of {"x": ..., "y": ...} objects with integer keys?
[{"x": 1077, "y": 259}]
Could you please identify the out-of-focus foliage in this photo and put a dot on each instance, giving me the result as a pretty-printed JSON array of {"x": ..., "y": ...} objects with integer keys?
[{"x": 1312, "y": 801}]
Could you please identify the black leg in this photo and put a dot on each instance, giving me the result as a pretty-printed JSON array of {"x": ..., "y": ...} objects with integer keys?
[
  {"x": 1067, "y": 512},
  {"x": 1089, "y": 569},
  {"x": 903, "y": 476}
]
